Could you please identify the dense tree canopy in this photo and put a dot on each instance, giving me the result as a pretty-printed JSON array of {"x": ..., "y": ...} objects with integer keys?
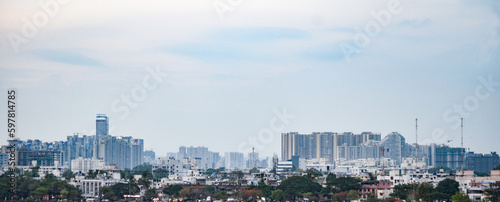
[
  {"x": 448, "y": 187},
  {"x": 343, "y": 184},
  {"x": 425, "y": 191},
  {"x": 28, "y": 187},
  {"x": 172, "y": 190},
  {"x": 277, "y": 195},
  {"x": 492, "y": 194},
  {"x": 116, "y": 192},
  {"x": 294, "y": 186}
]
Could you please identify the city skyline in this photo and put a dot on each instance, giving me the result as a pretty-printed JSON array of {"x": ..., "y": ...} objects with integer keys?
[{"x": 184, "y": 74}]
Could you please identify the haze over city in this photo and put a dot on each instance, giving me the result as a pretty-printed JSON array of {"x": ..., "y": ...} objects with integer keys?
[{"x": 182, "y": 74}]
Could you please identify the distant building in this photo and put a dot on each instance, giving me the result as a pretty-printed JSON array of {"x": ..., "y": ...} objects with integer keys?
[
  {"x": 370, "y": 149},
  {"x": 83, "y": 165},
  {"x": 26, "y": 157},
  {"x": 4, "y": 159},
  {"x": 234, "y": 160},
  {"x": 482, "y": 163},
  {"x": 208, "y": 158},
  {"x": 101, "y": 130},
  {"x": 173, "y": 166},
  {"x": 253, "y": 160},
  {"x": 321, "y": 145},
  {"x": 394, "y": 146},
  {"x": 449, "y": 157},
  {"x": 101, "y": 125},
  {"x": 149, "y": 156},
  {"x": 125, "y": 152},
  {"x": 77, "y": 146}
]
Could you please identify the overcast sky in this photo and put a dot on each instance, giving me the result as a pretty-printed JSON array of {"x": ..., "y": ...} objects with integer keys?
[{"x": 226, "y": 71}]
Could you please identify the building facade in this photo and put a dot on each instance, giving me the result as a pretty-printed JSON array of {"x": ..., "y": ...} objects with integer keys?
[
  {"x": 321, "y": 145},
  {"x": 482, "y": 163}
]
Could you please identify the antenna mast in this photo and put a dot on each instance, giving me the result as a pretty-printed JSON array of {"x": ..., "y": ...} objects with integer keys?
[
  {"x": 253, "y": 156},
  {"x": 462, "y": 144},
  {"x": 416, "y": 141}
]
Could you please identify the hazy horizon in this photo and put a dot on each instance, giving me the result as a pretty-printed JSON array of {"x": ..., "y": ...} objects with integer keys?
[{"x": 183, "y": 74}]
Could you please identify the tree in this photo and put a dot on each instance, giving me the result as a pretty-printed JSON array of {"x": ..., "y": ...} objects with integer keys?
[
  {"x": 423, "y": 191},
  {"x": 372, "y": 198},
  {"x": 252, "y": 194},
  {"x": 34, "y": 171},
  {"x": 310, "y": 196},
  {"x": 210, "y": 190},
  {"x": 238, "y": 173},
  {"x": 460, "y": 197},
  {"x": 312, "y": 172},
  {"x": 277, "y": 195},
  {"x": 192, "y": 192},
  {"x": 254, "y": 170},
  {"x": 353, "y": 195},
  {"x": 92, "y": 174},
  {"x": 220, "y": 195},
  {"x": 436, "y": 196},
  {"x": 150, "y": 194},
  {"x": 296, "y": 185},
  {"x": 160, "y": 173},
  {"x": 144, "y": 182},
  {"x": 492, "y": 194},
  {"x": 141, "y": 168},
  {"x": 41, "y": 191},
  {"x": 403, "y": 191},
  {"x": 172, "y": 190},
  {"x": 262, "y": 186},
  {"x": 116, "y": 191},
  {"x": 210, "y": 171},
  {"x": 448, "y": 187},
  {"x": 64, "y": 193},
  {"x": 341, "y": 196},
  {"x": 68, "y": 175},
  {"x": 372, "y": 177},
  {"x": 344, "y": 184}
]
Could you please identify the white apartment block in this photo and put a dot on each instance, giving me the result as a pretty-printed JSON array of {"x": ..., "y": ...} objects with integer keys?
[{"x": 83, "y": 165}]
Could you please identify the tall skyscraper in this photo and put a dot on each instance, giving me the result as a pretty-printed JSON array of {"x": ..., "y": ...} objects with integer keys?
[
  {"x": 101, "y": 130},
  {"x": 101, "y": 125}
]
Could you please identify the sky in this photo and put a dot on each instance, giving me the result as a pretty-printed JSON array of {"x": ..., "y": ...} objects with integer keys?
[{"x": 232, "y": 75}]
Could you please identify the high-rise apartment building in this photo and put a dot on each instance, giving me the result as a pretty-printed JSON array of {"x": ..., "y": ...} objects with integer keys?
[
  {"x": 449, "y": 157},
  {"x": 319, "y": 145},
  {"x": 253, "y": 160},
  {"x": 481, "y": 163},
  {"x": 125, "y": 152},
  {"x": 101, "y": 125},
  {"x": 77, "y": 146},
  {"x": 395, "y": 147},
  {"x": 207, "y": 158},
  {"x": 101, "y": 130},
  {"x": 234, "y": 160}
]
